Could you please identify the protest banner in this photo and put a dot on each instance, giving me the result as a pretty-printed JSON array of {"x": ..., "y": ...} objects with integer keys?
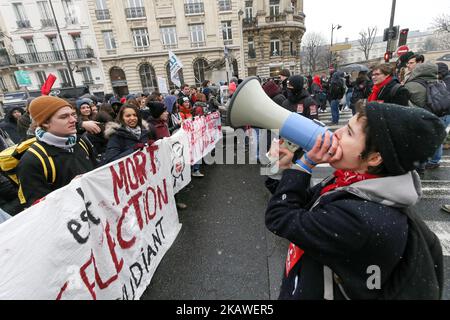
[
  {"x": 103, "y": 235},
  {"x": 203, "y": 134}
]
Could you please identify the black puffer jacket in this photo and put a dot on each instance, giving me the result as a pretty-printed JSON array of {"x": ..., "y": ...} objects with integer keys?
[
  {"x": 9, "y": 124},
  {"x": 349, "y": 230},
  {"x": 68, "y": 165},
  {"x": 303, "y": 104},
  {"x": 9, "y": 200}
]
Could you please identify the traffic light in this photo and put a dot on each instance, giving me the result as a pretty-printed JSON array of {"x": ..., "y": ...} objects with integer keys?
[
  {"x": 403, "y": 37},
  {"x": 387, "y": 56}
]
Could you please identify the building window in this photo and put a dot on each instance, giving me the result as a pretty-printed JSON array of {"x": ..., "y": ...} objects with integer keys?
[
  {"x": 64, "y": 78},
  {"x": 169, "y": 37},
  {"x": 251, "y": 48},
  {"x": 248, "y": 10},
  {"x": 69, "y": 12},
  {"x": 224, "y": 5},
  {"x": 41, "y": 76},
  {"x": 197, "y": 35},
  {"x": 180, "y": 75},
  {"x": 274, "y": 7},
  {"x": 46, "y": 14},
  {"x": 102, "y": 12},
  {"x": 194, "y": 7},
  {"x": 3, "y": 86},
  {"x": 110, "y": 42},
  {"x": 199, "y": 71},
  {"x": 22, "y": 20},
  {"x": 226, "y": 32},
  {"x": 14, "y": 82},
  {"x": 141, "y": 39},
  {"x": 87, "y": 75},
  {"x": 135, "y": 9},
  {"x": 148, "y": 78},
  {"x": 275, "y": 47}
]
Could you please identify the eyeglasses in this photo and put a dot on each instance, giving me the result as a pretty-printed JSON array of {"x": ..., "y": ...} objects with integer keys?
[{"x": 376, "y": 74}]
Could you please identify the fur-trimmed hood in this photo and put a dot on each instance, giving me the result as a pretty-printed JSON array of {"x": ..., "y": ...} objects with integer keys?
[{"x": 113, "y": 127}]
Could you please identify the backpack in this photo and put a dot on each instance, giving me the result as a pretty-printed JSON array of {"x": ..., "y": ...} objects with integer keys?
[
  {"x": 10, "y": 158},
  {"x": 438, "y": 97},
  {"x": 419, "y": 274},
  {"x": 337, "y": 90}
]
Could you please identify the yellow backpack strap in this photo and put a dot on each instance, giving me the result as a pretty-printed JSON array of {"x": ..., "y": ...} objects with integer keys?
[
  {"x": 21, "y": 196},
  {"x": 50, "y": 160},
  {"x": 84, "y": 146}
]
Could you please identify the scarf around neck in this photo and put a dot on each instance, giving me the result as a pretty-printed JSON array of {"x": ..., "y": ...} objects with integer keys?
[
  {"x": 377, "y": 88},
  {"x": 66, "y": 143},
  {"x": 134, "y": 131},
  {"x": 345, "y": 178}
]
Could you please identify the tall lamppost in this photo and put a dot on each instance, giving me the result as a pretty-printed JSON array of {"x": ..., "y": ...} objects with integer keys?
[
  {"x": 241, "y": 35},
  {"x": 337, "y": 27},
  {"x": 63, "y": 47}
]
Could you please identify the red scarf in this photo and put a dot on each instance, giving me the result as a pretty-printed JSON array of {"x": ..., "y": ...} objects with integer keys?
[
  {"x": 316, "y": 80},
  {"x": 377, "y": 88},
  {"x": 345, "y": 178}
]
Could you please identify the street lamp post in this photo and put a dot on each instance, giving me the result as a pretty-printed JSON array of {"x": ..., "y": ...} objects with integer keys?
[
  {"x": 337, "y": 27},
  {"x": 72, "y": 79},
  {"x": 241, "y": 27}
]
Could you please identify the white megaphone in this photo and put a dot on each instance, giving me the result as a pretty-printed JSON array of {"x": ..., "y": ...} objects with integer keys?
[{"x": 251, "y": 106}]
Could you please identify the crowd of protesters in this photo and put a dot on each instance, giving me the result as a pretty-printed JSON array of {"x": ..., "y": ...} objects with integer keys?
[{"x": 79, "y": 134}]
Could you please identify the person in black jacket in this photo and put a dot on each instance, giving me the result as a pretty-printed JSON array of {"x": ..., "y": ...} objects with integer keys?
[
  {"x": 66, "y": 155},
  {"x": 349, "y": 233},
  {"x": 386, "y": 88},
  {"x": 299, "y": 100},
  {"x": 126, "y": 136},
  {"x": 9, "y": 124}
]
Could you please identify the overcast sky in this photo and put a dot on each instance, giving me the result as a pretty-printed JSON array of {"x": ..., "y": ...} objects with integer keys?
[{"x": 356, "y": 15}]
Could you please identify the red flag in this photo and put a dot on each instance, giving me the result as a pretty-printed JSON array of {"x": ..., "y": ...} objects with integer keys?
[{"x": 48, "y": 84}]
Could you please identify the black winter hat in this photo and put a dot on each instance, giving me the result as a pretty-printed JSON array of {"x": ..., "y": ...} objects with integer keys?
[
  {"x": 156, "y": 109},
  {"x": 404, "y": 136},
  {"x": 296, "y": 82},
  {"x": 442, "y": 69},
  {"x": 403, "y": 60}
]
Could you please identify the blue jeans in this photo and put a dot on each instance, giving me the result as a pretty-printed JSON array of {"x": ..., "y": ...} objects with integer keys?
[
  {"x": 438, "y": 154},
  {"x": 196, "y": 167},
  {"x": 335, "y": 111},
  {"x": 348, "y": 96}
]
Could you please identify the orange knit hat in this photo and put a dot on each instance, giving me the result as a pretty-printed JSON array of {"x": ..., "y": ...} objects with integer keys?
[{"x": 42, "y": 108}]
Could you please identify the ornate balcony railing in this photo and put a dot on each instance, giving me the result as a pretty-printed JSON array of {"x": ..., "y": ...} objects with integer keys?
[
  {"x": 249, "y": 22},
  {"x": 135, "y": 12},
  {"x": 5, "y": 59},
  {"x": 102, "y": 14},
  {"x": 276, "y": 18},
  {"x": 23, "y": 24},
  {"x": 198, "y": 44},
  {"x": 54, "y": 56},
  {"x": 47, "y": 23}
]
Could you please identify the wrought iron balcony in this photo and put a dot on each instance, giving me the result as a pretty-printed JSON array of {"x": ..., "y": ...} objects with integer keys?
[
  {"x": 249, "y": 22},
  {"x": 194, "y": 8},
  {"x": 198, "y": 44},
  {"x": 71, "y": 20},
  {"x": 227, "y": 42},
  {"x": 54, "y": 56},
  {"x": 276, "y": 53},
  {"x": 135, "y": 12},
  {"x": 102, "y": 14},
  {"x": 170, "y": 46},
  {"x": 23, "y": 24},
  {"x": 276, "y": 18},
  {"x": 46, "y": 23}
]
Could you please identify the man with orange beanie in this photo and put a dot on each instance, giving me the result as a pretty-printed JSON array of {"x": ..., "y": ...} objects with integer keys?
[{"x": 58, "y": 155}]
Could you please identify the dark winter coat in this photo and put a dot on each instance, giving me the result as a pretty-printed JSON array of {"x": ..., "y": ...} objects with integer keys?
[
  {"x": 9, "y": 125},
  {"x": 361, "y": 89},
  {"x": 23, "y": 125},
  {"x": 387, "y": 95},
  {"x": 348, "y": 230},
  {"x": 160, "y": 128},
  {"x": 9, "y": 200},
  {"x": 424, "y": 72},
  {"x": 121, "y": 142},
  {"x": 303, "y": 104},
  {"x": 68, "y": 165}
]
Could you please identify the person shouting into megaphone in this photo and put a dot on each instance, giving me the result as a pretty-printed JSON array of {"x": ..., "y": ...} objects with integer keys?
[{"x": 353, "y": 234}]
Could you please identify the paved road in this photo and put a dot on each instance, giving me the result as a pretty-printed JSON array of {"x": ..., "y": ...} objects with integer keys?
[{"x": 224, "y": 251}]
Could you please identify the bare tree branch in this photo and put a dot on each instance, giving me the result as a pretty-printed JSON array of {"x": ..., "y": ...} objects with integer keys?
[
  {"x": 366, "y": 41},
  {"x": 313, "y": 51},
  {"x": 442, "y": 23}
]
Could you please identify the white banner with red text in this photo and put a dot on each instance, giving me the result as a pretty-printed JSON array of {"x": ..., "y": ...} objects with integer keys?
[{"x": 103, "y": 235}]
